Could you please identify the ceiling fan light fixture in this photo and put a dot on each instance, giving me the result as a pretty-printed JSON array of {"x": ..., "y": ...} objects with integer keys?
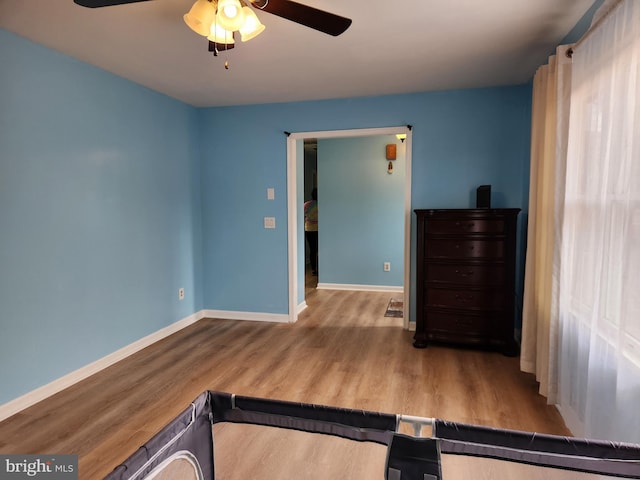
[
  {"x": 200, "y": 17},
  {"x": 252, "y": 26},
  {"x": 219, "y": 20},
  {"x": 220, "y": 35},
  {"x": 230, "y": 15}
]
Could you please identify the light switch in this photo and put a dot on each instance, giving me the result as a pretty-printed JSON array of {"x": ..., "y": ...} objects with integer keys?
[
  {"x": 271, "y": 193},
  {"x": 269, "y": 222}
]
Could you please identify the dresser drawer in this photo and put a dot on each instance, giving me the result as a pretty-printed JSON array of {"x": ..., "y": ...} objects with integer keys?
[
  {"x": 466, "y": 299},
  {"x": 458, "y": 326},
  {"x": 493, "y": 248},
  {"x": 462, "y": 226},
  {"x": 487, "y": 275}
]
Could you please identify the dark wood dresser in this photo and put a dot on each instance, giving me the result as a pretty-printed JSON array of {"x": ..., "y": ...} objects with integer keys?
[{"x": 466, "y": 277}]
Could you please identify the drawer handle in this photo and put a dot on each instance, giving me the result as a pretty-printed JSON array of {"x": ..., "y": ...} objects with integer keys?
[
  {"x": 466, "y": 225},
  {"x": 463, "y": 299},
  {"x": 468, "y": 273}
]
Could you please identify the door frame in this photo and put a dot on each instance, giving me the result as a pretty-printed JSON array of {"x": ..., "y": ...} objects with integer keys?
[{"x": 292, "y": 207}]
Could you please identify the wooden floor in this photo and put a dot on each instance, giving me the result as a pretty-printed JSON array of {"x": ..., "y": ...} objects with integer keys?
[{"x": 341, "y": 352}]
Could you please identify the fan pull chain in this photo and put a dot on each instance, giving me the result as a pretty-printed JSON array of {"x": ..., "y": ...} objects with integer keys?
[{"x": 226, "y": 52}]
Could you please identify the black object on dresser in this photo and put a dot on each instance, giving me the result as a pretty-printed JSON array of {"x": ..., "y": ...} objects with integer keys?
[{"x": 466, "y": 277}]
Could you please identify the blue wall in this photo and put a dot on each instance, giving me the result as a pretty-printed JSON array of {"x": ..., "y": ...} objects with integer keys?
[
  {"x": 582, "y": 26},
  {"x": 361, "y": 211},
  {"x": 461, "y": 139},
  {"x": 99, "y": 214}
]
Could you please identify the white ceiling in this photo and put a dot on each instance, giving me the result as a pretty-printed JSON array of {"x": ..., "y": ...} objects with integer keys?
[{"x": 392, "y": 47}]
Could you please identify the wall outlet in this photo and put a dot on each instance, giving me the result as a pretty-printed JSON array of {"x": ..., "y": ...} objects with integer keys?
[
  {"x": 269, "y": 222},
  {"x": 181, "y": 294},
  {"x": 386, "y": 266}
]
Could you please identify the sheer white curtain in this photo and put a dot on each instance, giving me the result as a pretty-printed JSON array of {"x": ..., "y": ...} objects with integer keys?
[
  {"x": 550, "y": 122},
  {"x": 599, "y": 289}
]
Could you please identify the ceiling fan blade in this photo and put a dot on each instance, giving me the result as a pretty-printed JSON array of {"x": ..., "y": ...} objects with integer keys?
[
  {"x": 104, "y": 3},
  {"x": 304, "y": 15}
]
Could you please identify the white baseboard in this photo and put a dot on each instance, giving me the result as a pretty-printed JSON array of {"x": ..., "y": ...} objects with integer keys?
[
  {"x": 39, "y": 394},
  {"x": 359, "y": 288},
  {"x": 250, "y": 316},
  {"x": 31, "y": 398},
  {"x": 302, "y": 306}
]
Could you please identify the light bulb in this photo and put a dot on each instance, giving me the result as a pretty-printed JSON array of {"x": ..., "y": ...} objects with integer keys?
[
  {"x": 230, "y": 11},
  {"x": 230, "y": 16}
]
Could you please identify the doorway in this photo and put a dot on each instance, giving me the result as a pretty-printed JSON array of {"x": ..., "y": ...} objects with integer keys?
[
  {"x": 295, "y": 191},
  {"x": 310, "y": 185}
]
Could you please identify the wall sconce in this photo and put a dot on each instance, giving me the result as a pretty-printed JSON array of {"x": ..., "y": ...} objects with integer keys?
[
  {"x": 391, "y": 155},
  {"x": 401, "y": 136}
]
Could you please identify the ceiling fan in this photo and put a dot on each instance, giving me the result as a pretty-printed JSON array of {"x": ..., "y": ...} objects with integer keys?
[{"x": 311, "y": 17}]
